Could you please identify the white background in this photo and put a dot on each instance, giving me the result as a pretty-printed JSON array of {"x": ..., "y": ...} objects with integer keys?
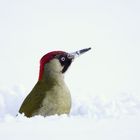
[
  {"x": 31, "y": 28},
  {"x": 104, "y": 82}
]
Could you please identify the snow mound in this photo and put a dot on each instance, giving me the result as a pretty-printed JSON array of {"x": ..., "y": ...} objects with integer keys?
[
  {"x": 90, "y": 117},
  {"x": 84, "y": 106},
  {"x": 10, "y": 101},
  {"x": 124, "y": 104}
]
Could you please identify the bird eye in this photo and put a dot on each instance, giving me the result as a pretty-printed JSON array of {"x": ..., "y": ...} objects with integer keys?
[{"x": 62, "y": 58}]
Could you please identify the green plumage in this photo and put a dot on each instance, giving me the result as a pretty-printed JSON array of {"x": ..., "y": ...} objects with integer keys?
[{"x": 50, "y": 95}]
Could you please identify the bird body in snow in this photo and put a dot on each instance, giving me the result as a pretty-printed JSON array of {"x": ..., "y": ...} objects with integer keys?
[{"x": 50, "y": 95}]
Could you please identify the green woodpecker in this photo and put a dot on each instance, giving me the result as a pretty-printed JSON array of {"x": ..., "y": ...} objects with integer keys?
[{"x": 50, "y": 95}]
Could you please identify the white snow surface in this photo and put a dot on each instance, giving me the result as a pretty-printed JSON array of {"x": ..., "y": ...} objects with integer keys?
[{"x": 90, "y": 118}]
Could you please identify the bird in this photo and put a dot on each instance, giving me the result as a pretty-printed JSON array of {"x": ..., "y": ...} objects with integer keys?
[{"x": 50, "y": 95}]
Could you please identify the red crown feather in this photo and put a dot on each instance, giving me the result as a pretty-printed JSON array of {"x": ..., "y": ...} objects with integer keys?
[{"x": 46, "y": 58}]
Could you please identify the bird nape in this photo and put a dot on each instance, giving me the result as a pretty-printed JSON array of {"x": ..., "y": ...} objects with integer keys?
[{"x": 50, "y": 95}]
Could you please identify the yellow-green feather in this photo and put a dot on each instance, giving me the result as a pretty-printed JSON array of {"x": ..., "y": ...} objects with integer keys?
[{"x": 50, "y": 95}]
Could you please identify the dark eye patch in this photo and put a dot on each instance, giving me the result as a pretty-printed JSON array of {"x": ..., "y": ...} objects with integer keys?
[{"x": 64, "y": 61}]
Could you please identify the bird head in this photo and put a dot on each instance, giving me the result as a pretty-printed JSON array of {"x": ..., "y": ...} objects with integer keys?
[{"x": 62, "y": 59}]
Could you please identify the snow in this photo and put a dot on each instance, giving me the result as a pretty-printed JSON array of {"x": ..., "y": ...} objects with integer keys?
[
  {"x": 90, "y": 118},
  {"x": 29, "y": 29}
]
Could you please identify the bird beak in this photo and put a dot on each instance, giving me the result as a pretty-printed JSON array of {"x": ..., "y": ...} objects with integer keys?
[{"x": 77, "y": 53}]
